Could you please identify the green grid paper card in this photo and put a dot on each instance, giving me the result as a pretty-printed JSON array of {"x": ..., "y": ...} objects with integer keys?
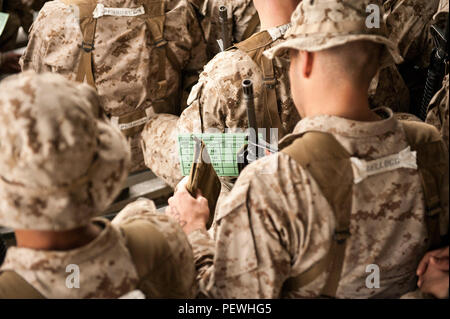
[
  {"x": 3, "y": 19},
  {"x": 222, "y": 149}
]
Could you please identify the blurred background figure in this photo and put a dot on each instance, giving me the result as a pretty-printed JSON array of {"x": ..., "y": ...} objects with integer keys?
[
  {"x": 242, "y": 21},
  {"x": 19, "y": 15}
]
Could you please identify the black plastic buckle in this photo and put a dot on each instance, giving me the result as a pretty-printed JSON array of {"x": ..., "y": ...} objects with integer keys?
[
  {"x": 340, "y": 236},
  {"x": 87, "y": 47}
]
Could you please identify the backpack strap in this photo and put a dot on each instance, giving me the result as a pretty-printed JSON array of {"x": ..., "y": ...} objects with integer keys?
[
  {"x": 432, "y": 163},
  {"x": 251, "y": 27},
  {"x": 329, "y": 164},
  {"x": 150, "y": 253},
  {"x": 13, "y": 286},
  {"x": 270, "y": 95},
  {"x": 88, "y": 26},
  {"x": 323, "y": 157},
  {"x": 156, "y": 21},
  {"x": 254, "y": 48}
]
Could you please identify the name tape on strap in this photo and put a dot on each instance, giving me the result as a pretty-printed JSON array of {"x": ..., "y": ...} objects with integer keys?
[
  {"x": 278, "y": 32},
  {"x": 101, "y": 10},
  {"x": 363, "y": 169},
  {"x": 126, "y": 126}
]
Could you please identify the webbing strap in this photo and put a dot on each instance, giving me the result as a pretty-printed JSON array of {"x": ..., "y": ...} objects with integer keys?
[
  {"x": 13, "y": 286},
  {"x": 85, "y": 71},
  {"x": 156, "y": 22},
  {"x": 329, "y": 164},
  {"x": 251, "y": 27},
  {"x": 270, "y": 96},
  {"x": 132, "y": 123},
  {"x": 432, "y": 165},
  {"x": 87, "y": 25},
  {"x": 254, "y": 48},
  {"x": 151, "y": 254}
]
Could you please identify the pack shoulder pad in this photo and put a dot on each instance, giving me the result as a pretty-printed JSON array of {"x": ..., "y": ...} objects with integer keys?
[{"x": 13, "y": 286}]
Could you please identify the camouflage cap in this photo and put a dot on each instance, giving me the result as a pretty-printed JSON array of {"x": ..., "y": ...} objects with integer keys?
[
  {"x": 61, "y": 163},
  {"x": 322, "y": 24}
]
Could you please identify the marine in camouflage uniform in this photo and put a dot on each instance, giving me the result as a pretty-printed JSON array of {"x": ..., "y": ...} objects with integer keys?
[
  {"x": 276, "y": 223},
  {"x": 62, "y": 164},
  {"x": 216, "y": 104},
  {"x": 438, "y": 108},
  {"x": 243, "y": 21},
  {"x": 136, "y": 70},
  {"x": 401, "y": 87}
]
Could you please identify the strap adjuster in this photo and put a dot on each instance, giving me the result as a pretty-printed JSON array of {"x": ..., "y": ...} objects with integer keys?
[
  {"x": 340, "y": 236},
  {"x": 160, "y": 43},
  {"x": 270, "y": 82},
  {"x": 87, "y": 47}
]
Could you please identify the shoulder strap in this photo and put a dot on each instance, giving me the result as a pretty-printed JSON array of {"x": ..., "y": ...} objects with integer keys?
[
  {"x": 156, "y": 17},
  {"x": 329, "y": 164},
  {"x": 151, "y": 255},
  {"x": 254, "y": 47},
  {"x": 144, "y": 242},
  {"x": 432, "y": 163},
  {"x": 87, "y": 25},
  {"x": 13, "y": 286},
  {"x": 251, "y": 27}
]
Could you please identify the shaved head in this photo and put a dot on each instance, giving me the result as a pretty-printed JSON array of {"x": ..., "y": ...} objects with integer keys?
[
  {"x": 357, "y": 61},
  {"x": 336, "y": 80}
]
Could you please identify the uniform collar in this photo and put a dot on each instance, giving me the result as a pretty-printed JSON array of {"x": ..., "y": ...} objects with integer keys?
[{"x": 348, "y": 128}]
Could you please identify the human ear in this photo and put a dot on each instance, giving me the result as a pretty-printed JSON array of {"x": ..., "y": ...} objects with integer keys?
[{"x": 306, "y": 63}]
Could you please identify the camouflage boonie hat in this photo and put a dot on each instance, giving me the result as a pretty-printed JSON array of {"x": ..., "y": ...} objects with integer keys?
[
  {"x": 61, "y": 163},
  {"x": 322, "y": 24}
]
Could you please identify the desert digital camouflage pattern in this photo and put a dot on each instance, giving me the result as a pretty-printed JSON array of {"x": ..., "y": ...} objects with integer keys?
[
  {"x": 334, "y": 16},
  {"x": 240, "y": 14},
  {"x": 215, "y": 104},
  {"x": 276, "y": 224},
  {"x": 61, "y": 163},
  {"x": 107, "y": 269},
  {"x": 438, "y": 111},
  {"x": 408, "y": 24},
  {"x": 125, "y": 60}
]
